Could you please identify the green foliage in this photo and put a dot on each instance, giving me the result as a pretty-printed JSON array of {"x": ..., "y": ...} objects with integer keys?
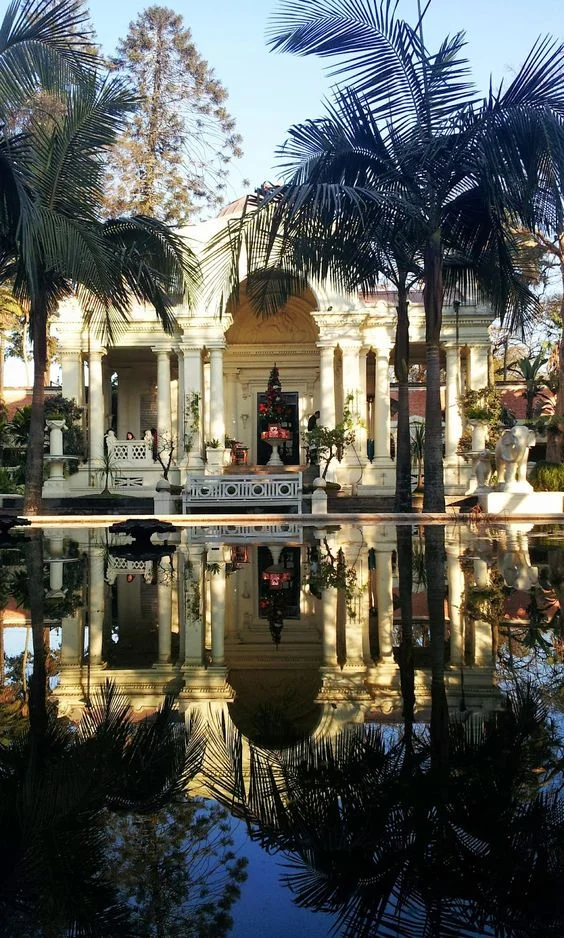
[
  {"x": 191, "y": 419},
  {"x": 530, "y": 370},
  {"x": 547, "y": 477},
  {"x": 177, "y": 869},
  {"x": 73, "y": 780},
  {"x": 418, "y": 450},
  {"x": 52, "y": 188},
  {"x": 108, "y": 471},
  {"x": 331, "y": 443},
  {"x": 172, "y": 157},
  {"x": 483, "y": 404},
  {"x": 7, "y": 484},
  {"x": 330, "y": 571}
]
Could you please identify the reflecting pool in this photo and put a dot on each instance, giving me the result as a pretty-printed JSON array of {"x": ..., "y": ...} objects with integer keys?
[{"x": 245, "y": 730}]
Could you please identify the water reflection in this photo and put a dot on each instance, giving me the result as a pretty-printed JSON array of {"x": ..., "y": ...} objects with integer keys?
[{"x": 373, "y": 701}]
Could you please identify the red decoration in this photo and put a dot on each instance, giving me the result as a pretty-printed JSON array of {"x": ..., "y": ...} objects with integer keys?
[
  {"x": 275, "y": 433},
  {"x": 277, "y": 579}
]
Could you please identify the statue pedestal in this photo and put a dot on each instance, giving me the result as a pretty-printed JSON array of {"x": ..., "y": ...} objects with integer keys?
[{"x": 522, "y": 503}]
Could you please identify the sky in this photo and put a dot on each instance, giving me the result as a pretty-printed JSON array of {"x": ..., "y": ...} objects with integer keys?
[{"x": 268, "y": 92}]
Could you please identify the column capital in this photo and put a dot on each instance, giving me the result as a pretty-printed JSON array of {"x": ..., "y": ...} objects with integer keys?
[
  {"x": 97, "y": 353},
  {"x": 190, "y": 348},
  {"x": 161, "y": 350},
  {"x": 379, "y": 335},
  {"x": 69, "y": 354},
  {"x": 350, "y": 344}
]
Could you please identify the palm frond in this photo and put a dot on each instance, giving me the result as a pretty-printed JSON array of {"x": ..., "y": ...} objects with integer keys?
[
  {"x": 43, "y": 44},
  {"x": 381, "y": 57}
]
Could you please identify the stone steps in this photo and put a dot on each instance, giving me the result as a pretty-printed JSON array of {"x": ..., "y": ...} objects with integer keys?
[{"x": 351, "y": 504}]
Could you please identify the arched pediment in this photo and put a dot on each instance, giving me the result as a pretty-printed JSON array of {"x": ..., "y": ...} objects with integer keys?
[{"x": 293, "y": 325}]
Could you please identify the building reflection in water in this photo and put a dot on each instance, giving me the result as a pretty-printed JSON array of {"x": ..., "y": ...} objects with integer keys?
[{"x": 285, "y": 627}]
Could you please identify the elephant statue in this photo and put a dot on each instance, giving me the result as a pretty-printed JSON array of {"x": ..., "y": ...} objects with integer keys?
[
  {"x": 511, "y": 455},
  {"x": 514, "y": 562},
  {"x": 483, "y": 470}
]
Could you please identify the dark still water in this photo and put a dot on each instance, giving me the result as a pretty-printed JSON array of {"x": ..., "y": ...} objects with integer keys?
[{"x": 281, "y": 730}]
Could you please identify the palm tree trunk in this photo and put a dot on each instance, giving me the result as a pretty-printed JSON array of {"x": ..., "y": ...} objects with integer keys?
[
  {"x": 38, "y": 682},
  {"x": 434, "y": 495},
  {"x": 405, "y": 658},
  {"x": 401, "y": 366},
  {"x": 35, "y": 448},
  {"x": 555, "y": 442},
  {"x": 435, "y": 569}
]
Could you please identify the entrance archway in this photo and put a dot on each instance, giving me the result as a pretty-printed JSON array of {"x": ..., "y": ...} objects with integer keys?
[{"x": 253, "y": 345}]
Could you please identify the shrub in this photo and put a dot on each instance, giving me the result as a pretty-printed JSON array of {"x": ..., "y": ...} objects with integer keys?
[
  {"x": 7, "y": 484},
  {"x": 547, "y": 477}
]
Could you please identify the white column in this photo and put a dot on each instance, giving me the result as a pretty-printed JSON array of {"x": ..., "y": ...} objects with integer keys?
[
  {"x": 95, "y": 408},
  {"x": 327, "y": 383},
  {"x": 455, "y": 578},
  {"x": 453, "y": 418},
  {"x": 231, "y": 423},
  {"x": 72, "y": 378},
  {"x": 163, "y": 392},
  {"x": 385, "y": 600},
  {"x": 382, "y": 423},
  {"x": 329, "y": 612},
  {"x": 193, "y": 385},
  {"x": 193, "y": 622},
  {"x": 354, "y": 642},
  {"x": 96, "y": 603},
  {"x": 164, "y": 600},
  {"x": 351, "y": 372},
  {"x": 217, "y": 593},
  {"x": 478, "y": 366},
  {"x": 362, "y": 432},
  {"x": 180, "y": 398},
  {"x": 217, "y": 404},
  {"x": 71, "y": 648}
]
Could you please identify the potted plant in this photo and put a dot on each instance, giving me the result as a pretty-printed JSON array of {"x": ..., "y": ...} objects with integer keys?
[
  {"x": 482, "y": 409},
  {"x": 214, "y": 454}
]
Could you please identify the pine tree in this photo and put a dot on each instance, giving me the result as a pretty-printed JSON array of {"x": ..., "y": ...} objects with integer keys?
[
  {"x": 174, "y": 153},
  {"x": 275, "y": 410}
]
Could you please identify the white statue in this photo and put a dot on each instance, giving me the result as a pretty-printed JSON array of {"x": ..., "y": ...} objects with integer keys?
[
  {"x": 110, "y": 439},
  {"x": 514, "y": 562},
  {"x": 511, "y": 455},
  {"x": 483, "y": 470}
]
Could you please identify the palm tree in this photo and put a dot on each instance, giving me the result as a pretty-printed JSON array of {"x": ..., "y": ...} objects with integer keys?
[
  {"x": 468, "y": 171},
  {"x": 54, "y": 241},
  {"x": 529, "y": 369}
]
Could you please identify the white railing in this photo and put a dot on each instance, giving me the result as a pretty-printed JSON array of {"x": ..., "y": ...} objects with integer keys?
[
  {"x": 242, "y": 533},
  {"x": 242, "y": 491},
  {"x": 130, "y": 451},
  {"x": 118, "y": 565},
  {"x": 128, "y": 482}
]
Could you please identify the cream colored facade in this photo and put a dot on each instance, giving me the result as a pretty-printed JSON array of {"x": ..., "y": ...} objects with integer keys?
[{"x": 203, "y": 382}]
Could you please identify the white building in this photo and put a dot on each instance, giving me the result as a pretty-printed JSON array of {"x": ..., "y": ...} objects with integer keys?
[{"x": 205, "y": 382}]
